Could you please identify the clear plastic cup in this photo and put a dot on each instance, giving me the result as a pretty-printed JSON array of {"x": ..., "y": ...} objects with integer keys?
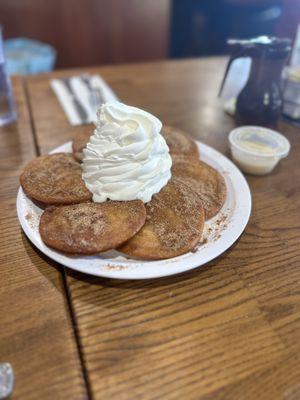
[
  {"x": 8, "y": 112},
  {"x": 257, "y": 150}
]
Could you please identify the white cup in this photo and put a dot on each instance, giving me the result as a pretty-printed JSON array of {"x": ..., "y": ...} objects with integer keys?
[{"x": 257, "y": 150}]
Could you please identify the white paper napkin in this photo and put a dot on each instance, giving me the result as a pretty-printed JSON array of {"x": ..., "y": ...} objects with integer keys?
[{"x": 81, "y": 96}]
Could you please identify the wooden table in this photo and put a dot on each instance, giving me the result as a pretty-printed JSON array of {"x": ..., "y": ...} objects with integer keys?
[{"x": 228, "y": 330}]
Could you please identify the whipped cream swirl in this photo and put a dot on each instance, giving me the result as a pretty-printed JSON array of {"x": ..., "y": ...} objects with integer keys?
[{"x": 126, "y": 158}]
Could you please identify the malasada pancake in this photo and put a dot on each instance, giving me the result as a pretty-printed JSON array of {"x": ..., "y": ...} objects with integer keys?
[
  {"x": 80, "y": 141},
  {"x": 179, "y": 158},
  {"x": 174, "y": 224},
  {"x": 91, "y": 228},
  {"x": 205, "y": 181},
  {"x": 180, "y": 142},
  {"x": 55, "y": 179}
]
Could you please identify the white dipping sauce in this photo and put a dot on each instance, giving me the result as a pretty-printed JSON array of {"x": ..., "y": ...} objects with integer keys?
[{"x": 257, "y": 150}]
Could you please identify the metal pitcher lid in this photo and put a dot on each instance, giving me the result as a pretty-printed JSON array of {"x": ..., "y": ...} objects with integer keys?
[{"x": 268, "y": 45}]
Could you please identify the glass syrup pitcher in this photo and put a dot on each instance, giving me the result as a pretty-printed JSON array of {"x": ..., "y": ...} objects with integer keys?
[{"x": 260, "y": 101}]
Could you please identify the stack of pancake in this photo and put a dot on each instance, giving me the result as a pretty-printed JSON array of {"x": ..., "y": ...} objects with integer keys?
[{"x": 169, "y": 225}]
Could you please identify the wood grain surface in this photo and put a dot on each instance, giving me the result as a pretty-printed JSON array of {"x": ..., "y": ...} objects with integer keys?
[
  {"x": 229, "y": 330},
  {"x": 36, "y": 333}
]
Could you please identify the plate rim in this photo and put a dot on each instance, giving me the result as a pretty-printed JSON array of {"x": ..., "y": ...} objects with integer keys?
[{"x": 179, "y": 266}]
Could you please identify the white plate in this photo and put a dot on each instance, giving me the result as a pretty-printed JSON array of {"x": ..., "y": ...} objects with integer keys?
[{"x": 219, "y": 233}]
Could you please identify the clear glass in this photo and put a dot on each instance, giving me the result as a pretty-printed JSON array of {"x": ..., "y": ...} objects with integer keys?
[{"x": 8, "y": 112}]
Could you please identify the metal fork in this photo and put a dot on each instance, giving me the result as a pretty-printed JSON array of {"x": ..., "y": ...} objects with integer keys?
[{"x": 96, "y": 95}]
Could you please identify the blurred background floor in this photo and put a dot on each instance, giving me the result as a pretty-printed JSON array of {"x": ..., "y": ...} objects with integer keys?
[{"x": 95, "y": 32}]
